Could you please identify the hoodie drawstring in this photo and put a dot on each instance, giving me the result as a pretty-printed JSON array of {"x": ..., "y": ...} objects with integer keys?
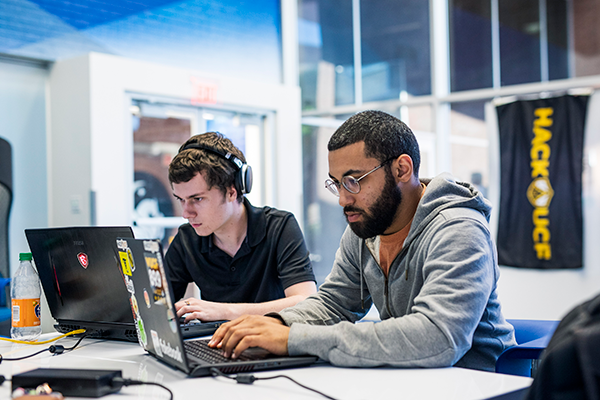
[{"x": 362, "y": 297}]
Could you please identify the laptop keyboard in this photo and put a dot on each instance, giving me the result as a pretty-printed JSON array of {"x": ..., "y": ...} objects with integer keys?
[{"x": 200, "y": 349}]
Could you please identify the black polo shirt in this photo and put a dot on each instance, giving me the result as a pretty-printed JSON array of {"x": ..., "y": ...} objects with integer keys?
[{"x": 272, "y": 258}]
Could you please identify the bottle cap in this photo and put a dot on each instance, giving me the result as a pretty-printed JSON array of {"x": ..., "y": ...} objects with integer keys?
[{"x": 25, "y": 257}]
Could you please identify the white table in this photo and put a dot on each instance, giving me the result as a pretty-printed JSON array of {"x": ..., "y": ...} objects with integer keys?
[{"x": 341, "y": 383}]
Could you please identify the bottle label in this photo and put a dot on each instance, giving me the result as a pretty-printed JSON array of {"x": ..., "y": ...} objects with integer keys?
[{"x": 26, "y": 312}]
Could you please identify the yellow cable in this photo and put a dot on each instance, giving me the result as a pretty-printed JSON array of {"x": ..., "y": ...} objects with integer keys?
[{"x": 75, "y": 332}]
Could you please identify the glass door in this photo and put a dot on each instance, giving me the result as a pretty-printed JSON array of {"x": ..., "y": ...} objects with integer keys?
[{"x": 159, "y": 129}]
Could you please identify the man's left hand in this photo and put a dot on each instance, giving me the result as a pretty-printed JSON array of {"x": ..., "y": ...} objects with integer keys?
[{"x": 202, "y": 310}]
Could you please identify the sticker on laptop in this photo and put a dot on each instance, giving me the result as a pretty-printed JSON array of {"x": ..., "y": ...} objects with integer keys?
[
  {"x": 163, "y": 347},
  {"x": 121, "y": 244},
  {"x": 151, "y": 246},
  {"x": 156, "y": 342},
  {"x": 147, "y": 298},
  {"x": 156, "y": 278},
  {"x": 129, "y": 284},
  {"x": 127, "y": 263},
  {"x": 141, "y": 333},
  {"x": 134, "y": 306}
]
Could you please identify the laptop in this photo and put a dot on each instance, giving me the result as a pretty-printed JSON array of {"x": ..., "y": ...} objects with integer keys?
[
  {"x": 148, "y": 283},
  {"x": 79, "y": 272}
]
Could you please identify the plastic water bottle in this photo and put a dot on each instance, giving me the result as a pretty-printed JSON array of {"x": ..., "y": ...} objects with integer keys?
[{"x": 26, "y": 308}]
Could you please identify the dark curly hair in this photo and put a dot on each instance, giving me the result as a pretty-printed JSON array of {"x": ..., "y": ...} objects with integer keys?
[{"x": 385, "y": 137}]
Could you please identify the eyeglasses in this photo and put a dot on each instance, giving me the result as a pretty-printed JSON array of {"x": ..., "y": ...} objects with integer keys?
[{"x": 349, "y": 182}]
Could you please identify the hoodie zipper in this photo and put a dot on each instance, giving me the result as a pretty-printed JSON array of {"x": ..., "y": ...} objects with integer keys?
[
  {"x": 386, "y": 282},
  {"x": 386, "y": 294},
  {"x": 386, "y": 290}
]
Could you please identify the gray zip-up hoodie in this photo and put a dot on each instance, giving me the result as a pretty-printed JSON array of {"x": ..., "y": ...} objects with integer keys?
[{"x": 438, "y": 305}]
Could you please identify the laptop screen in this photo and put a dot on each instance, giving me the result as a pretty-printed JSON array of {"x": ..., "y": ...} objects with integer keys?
[{"x": 79, "y": 272}]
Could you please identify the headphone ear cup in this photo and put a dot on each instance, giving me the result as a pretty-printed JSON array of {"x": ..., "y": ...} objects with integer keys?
[{"x": 245, "y": 177}]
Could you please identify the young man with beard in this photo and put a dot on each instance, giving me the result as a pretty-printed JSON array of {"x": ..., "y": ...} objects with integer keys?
[
  {"x": 421, "y": 251},
  {"x": 244, "y": 259}
]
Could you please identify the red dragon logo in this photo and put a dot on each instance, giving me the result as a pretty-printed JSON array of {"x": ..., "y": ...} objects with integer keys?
[{"x": 83, "y": 260}]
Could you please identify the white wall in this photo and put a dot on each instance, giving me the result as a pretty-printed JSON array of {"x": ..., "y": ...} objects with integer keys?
[
  {"x": 69, "y": 144},
  {"x": 550, "y": 294},
  {"x": 92, "y": 135},
  {"x": 23, "y": 124}
]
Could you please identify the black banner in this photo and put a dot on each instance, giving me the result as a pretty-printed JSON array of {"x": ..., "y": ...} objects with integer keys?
[{"x": 541, "y": 149}]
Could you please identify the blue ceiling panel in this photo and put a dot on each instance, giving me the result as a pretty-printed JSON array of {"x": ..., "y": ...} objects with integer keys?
[
  {"x": 83, "y": 14},
  {"x": 239, "y": 38}
]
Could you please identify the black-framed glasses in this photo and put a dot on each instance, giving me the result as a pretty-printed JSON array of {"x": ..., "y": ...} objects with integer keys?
[{"x": 349, "y": 182}]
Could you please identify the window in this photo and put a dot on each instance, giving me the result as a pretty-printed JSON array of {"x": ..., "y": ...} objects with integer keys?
[
  {"x": 519, "y": 41},
  {"x": 469, "y": 143},
  {"x": 325, "y": 53},
  {"x": 470, "y": 44},
  {"x": 324, "y": 220},
  {"x": 558, "y": 41},
  {"x": 394, "y": 49},
  {"x": 586, "y": 40}
]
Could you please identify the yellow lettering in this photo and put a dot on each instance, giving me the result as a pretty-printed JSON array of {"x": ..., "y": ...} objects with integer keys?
[
  {"x": 151, "y": 262},
  {"x": 538, "y": 213},
  {"x": 542, "y": 149},
  {"x": 543, "y": 250},
  {"x": 539, "y": 168},
  {"x": 541, "y": 135},
  {"x": 540, "y": 156},
  {"x": 542, "y": 233},
  {"x": 543, "y": 116}
]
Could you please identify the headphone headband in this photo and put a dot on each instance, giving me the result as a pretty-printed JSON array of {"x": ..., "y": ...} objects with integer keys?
[
  {"x": 237, "y": 163},
  {"x": 243, "y": 174}
]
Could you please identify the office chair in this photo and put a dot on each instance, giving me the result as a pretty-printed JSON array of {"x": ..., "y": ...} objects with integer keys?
[
  {"x": 5, "y": 308},
  {"x": 5, "y": 205},
  {"x": 532, "y": 338}
]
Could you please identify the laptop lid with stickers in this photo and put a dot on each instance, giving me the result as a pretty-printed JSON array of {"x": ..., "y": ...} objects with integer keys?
[
  {"x": 147, "y": 281},
  {"x": 78, "y": 269},
  {"x": 157, "y": 325}
]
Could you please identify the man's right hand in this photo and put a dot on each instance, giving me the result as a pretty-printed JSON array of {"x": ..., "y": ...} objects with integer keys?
[{"x": 251, "y": 331}]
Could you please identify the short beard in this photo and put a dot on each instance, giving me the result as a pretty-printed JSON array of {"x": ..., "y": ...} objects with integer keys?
[{"x": 381, "y": 214}]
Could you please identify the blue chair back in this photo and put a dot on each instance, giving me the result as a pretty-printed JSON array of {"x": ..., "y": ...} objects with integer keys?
[
  {"x": 532, "y": 338},
  {"x": 5, "y": 292},
  {"x": 5, "y": 307}
]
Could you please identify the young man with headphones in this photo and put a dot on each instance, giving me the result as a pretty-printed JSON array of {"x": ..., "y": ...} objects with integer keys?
[{"x": 244, "y": 259}]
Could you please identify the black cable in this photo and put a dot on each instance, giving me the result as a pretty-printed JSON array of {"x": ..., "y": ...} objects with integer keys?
[
  {"x": 249, "y": 379},
  {"x": 76, "y": 344},
  {"x": 120, "y": 382},
  {"x": 24, "y": 357},
  {"x": 54, "y": 349}
]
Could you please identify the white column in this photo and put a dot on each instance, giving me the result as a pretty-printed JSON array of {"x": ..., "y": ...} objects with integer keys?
[{"x": 440, "y": 81}]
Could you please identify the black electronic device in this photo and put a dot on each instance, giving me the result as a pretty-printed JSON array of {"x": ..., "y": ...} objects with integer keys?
[
  {"x": 243, "y": 176},
  {"x": 70, "y": 382},
  {"x": 79, "y": 271}
]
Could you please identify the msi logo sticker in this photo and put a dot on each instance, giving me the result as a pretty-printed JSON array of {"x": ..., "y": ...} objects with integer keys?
[{"x": 83, "y": 260}]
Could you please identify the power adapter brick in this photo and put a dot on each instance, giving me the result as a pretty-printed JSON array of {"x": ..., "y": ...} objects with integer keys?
[{"x": 71, "y": 382}]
